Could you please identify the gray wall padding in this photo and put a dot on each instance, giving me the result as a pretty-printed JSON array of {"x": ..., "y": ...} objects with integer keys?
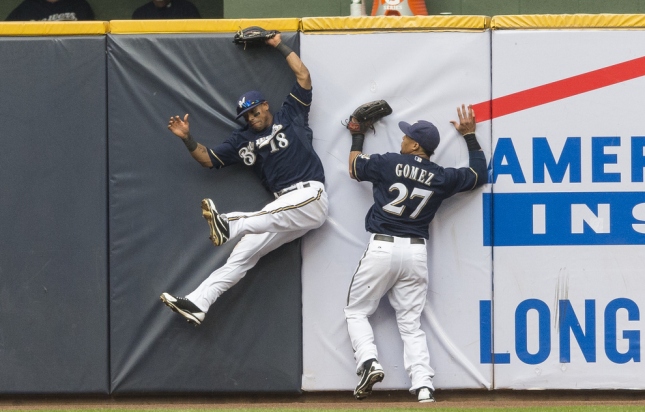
[
  {"x": 53, "y": 216},
  {"x": 251, "y": 338}
]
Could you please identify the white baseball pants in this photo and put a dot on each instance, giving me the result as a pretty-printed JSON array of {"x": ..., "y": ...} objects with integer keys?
[
  {"x": 287, "y": 218},
  {"x": 399, "y": 269}
]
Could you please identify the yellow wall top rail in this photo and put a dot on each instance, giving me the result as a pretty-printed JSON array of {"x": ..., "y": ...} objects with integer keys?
[
  {"x": 395, "y": 23},
  {"x": 568, "y": 21},
  {"x": 200, "y": 25},
  {"x": 53, "y": 28},
  {"x": 329, "y": 24}
]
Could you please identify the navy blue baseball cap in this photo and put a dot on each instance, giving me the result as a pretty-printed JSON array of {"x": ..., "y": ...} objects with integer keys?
[
  {"x": 422, "y": 132},
  {"x": 247, "y": 101}
]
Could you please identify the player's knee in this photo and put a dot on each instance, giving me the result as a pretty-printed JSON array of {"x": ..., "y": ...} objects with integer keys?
[
  {"x": 409, "y": 328},
  {"x": 352, "y": 314}
]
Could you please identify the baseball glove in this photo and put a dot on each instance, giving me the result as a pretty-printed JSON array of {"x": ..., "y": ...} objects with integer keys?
[
  {"x": 366, "y": 115},
  {"x": 253, "y": 36}
]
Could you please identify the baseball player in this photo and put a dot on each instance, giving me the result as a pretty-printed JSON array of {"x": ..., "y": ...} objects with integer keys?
[
  {"x": 408, "y": 189},
  {"x": 279, "y": 150}
]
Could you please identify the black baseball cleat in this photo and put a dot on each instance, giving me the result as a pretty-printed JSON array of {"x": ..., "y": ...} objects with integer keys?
[
  {"x": 425, "y": 394},
  {"x": 218, "y": 225},
  {"x": 372, "y": 373},
  {"x": 184, "y": 307}
]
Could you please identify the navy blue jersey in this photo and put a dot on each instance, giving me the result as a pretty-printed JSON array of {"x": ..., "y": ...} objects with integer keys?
[
  {"x": 409, "y": 189},
  {"x": 280, "y": 155}
]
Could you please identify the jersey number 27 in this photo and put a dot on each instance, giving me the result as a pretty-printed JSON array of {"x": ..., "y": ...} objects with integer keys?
[{"x": 394, "y": 208}]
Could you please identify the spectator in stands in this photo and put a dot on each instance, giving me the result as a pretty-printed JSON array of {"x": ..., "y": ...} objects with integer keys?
[
  {"x": 52, "y": 10},
  {"x": 166, "y": 9}
]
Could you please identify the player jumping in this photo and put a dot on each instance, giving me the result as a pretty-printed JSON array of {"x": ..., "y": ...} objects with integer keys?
[{"x": 278, "y": 147}]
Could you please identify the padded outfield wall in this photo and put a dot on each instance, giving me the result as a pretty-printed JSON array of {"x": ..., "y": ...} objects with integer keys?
[
  {"x": 54, "y": 319},
  {"x": 568, "y": 201},
  {"x": 250, "y": 340},
  {"x": 535, "y": 279},
  {"x": 423, "y": 75}
]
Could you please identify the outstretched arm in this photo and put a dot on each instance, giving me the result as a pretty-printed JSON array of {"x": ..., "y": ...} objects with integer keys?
[
  {"x": 466, "y": 127},
  {"x": 181, "y": 128},
  {"x": 352, "y": 156},
  {"x": 293, "y": 60},
  {"x": 356, "y": 149}
]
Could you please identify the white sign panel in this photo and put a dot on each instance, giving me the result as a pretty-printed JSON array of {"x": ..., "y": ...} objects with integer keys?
[
  {"x": 423, "y": 76},
  {"x": 568, "y": 208}
]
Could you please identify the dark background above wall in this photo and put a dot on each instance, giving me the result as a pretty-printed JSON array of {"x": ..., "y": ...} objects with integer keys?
[{"x": 233, "y": 9}]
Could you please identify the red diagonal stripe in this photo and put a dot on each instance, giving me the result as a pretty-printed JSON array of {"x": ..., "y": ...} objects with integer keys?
[{"x": 560, "y": 89}]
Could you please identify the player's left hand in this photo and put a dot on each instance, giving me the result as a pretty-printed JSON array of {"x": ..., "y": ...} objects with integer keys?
[
  {"x": 179, "y": 127},
  {"x": 467, "y": 121},
  {"x": 274, "y": 41}
]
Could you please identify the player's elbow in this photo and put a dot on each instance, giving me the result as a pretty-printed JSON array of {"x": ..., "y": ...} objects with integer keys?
[
  {"x": 484, "y": 178},
  {"x": 304, "y": 77},
  {"x": 481, "y": 177},
  {"x": 351, "y": 169},
  {"x": 303, "y": 71}
]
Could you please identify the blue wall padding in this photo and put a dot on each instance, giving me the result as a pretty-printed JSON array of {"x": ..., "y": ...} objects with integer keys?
[
  {"x": 251, "y": 340},
  {"x": 53, "y": 216}
]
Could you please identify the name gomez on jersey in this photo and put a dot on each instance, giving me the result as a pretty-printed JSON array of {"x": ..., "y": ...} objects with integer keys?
[
  {"x": 281, "y": 154},
  {"x": 409, "y": 189}
]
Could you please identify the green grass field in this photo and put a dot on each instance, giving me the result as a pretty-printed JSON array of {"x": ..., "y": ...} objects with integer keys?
[
  {"x": 415, "y": 407},
  {"x": 403, "y": 409}
]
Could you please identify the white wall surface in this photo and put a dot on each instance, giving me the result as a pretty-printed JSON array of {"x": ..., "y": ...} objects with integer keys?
[{"x": 422, "y": 76}]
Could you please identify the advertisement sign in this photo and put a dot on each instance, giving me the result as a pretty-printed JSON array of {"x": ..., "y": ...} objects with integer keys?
[{"x": 567, "y": 211}]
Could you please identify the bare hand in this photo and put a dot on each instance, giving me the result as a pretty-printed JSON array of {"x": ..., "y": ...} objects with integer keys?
[
  {"x": 274, "y": 41},
  {"x": 467, "y": 121},
  {"x": 179, "y": 127}
]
